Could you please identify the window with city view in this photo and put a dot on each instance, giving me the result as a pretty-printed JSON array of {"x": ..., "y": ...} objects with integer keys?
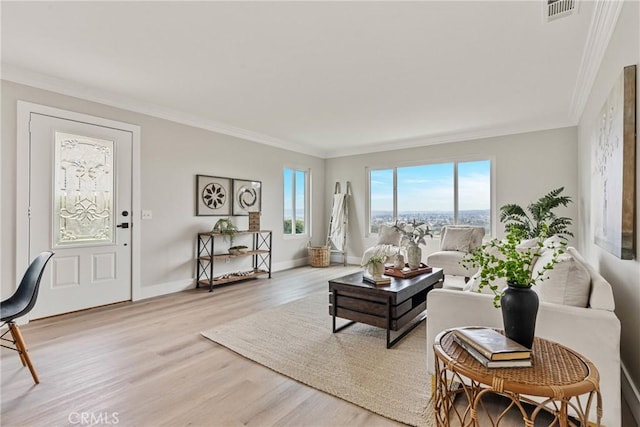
[
  {"x": 295, "y": 198},
  {"x": 427, "y": 193}
]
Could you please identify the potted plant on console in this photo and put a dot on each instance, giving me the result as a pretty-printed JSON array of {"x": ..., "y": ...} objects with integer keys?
[
  {"x": 512, "y": 259},
  {"x": 225, "y": 227}
]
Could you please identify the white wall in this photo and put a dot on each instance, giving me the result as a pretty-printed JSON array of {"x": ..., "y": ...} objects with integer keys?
[
  {"x": 525, "y": 166},
  {"x": 624, "y": 276},
  {"x": 172, "y": 154}
]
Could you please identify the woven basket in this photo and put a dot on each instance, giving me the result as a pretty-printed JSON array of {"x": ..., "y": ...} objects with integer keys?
[{"x": 319, "y": 256}]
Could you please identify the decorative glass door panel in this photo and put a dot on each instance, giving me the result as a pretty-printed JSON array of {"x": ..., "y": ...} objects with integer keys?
[{"x": 84, "y": 190}]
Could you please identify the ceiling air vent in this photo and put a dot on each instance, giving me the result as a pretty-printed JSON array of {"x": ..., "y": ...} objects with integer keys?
[{"x": 556, "y": 9}]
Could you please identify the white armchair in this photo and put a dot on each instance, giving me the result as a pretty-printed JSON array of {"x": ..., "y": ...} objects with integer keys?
[{"x": 455, "y": 242}]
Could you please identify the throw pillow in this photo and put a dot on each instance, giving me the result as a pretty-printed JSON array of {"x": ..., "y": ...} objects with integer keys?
[
  {"x": 552, "y": 242},
  {"x": 528, "y": 243},
  {"x": 474, "y": 284},
  {"x": 456, "y": 239},
  {"x": 568, "y": 283},
  {"x": 388, "y": 235}
]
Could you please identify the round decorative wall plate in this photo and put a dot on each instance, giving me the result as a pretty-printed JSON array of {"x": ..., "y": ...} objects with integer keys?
[
  {"x": 214, "y": 196},
  {"x": 247, "y": 197}
]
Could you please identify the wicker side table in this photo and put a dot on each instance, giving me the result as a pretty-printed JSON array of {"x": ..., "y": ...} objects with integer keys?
[{"x": 565, "y": 380}]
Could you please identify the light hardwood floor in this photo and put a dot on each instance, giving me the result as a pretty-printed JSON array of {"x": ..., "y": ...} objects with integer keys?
[{"x": 146, "y": 364}]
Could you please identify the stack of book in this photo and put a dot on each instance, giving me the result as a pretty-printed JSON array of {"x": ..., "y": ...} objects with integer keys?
[
  {"x": 380, "y": 280},
  {"x": 491, "y": 348}
]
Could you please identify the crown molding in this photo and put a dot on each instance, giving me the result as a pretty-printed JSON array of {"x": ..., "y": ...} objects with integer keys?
[
  {"x": 445, "y": 138},
  {"x": 66, "y": 87},
  {"x": 603, "y": 23},
  {"x": 70, "y": 88}
]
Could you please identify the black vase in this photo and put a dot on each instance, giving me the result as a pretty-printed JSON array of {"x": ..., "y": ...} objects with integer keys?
[{"x": 519, "y": 311}]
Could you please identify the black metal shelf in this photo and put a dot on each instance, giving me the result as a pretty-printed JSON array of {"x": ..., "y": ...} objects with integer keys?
[{"x": 207, "y": 257}]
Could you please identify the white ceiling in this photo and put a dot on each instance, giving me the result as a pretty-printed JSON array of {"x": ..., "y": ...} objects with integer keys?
[{"x": 323, "y": 78}]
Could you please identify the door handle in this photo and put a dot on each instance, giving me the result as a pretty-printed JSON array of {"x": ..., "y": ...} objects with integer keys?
[{"x": 123, "y": 225}]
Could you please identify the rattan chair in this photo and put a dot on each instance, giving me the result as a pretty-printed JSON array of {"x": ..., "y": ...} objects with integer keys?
[{"x": 21, "y": 303}]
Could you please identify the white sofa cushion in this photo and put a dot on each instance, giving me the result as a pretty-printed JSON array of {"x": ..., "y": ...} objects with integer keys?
[
  {"x": 568, "y": 283},
  {"x": 379, "y": 250},
  {"x": 449, "y": 261},
  {"x": 601, "y": 296},
  {"x": 388, "y": 235},
  {"x": 456, "y": 239}
]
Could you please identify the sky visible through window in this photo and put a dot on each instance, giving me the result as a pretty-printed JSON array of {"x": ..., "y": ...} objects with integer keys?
[
  {"x": 299, "y": 177},
  {"x": 426, "y": 193}
]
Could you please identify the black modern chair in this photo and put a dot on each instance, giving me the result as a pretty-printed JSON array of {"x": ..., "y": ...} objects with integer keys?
[{"x": 21, "y": 303}]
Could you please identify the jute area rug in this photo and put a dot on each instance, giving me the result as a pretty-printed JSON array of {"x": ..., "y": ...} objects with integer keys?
[{"x": 295, "y": 339}]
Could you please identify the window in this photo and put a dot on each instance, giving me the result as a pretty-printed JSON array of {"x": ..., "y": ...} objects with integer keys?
[
  {"x": 438, "y": 194},
  {"x": 295, "y": 201}
]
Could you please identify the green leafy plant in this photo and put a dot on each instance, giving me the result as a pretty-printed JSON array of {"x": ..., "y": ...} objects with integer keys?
[
  {"x": 225, "y": 227},
  {"x": 374, "y": 260},
  {"x": 540, "y": 218},
  {"x": 375, "y": 265},
  {"x": 505, "y": 259}
]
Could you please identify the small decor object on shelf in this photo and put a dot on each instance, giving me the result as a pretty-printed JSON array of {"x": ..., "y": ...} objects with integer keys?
[
  {"x": 247, "y": 196},
  {"x": 213, "y": 195},
  {"x": 254, "y": 221},
  {"x": 239, "y": 249}
]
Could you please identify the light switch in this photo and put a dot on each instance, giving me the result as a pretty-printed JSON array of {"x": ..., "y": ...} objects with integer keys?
[{"x": 147, "y": 215}]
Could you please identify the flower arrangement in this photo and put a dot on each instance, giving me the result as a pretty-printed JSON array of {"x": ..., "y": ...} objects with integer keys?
[{"x": 413, "y": 233}]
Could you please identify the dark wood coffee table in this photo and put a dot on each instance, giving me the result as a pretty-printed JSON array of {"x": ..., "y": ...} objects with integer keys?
[{"x": 390, "y": 306}]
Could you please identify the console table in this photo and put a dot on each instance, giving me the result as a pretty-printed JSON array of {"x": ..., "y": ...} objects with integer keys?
[
  {"x": 260, "y": 252},
  {"x": 564, "y": 380}
]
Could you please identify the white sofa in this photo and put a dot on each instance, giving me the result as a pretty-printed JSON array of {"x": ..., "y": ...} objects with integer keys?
[{"x": 593, "y": 331}]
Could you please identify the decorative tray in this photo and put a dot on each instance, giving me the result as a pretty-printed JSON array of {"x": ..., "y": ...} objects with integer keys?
[{"x": 406, "y": 272}]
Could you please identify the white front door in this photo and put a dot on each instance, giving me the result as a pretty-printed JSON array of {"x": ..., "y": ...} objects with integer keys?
[{"x": 80, "y": 207}]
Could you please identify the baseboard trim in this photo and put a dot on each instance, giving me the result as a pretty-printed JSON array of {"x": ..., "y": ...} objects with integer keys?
[
  {"x": 286, "y": 265},
  {"x": 164, "y": 288},
  {"x": 630, "y": 394},
  {"x": 184, "y": 284}
]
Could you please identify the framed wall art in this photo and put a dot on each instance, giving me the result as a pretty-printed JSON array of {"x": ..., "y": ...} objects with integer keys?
[
  {"x": 613, "y": 196},
  {"x": 213, "y": 195},
  {"x": 247, "y": 196}
]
